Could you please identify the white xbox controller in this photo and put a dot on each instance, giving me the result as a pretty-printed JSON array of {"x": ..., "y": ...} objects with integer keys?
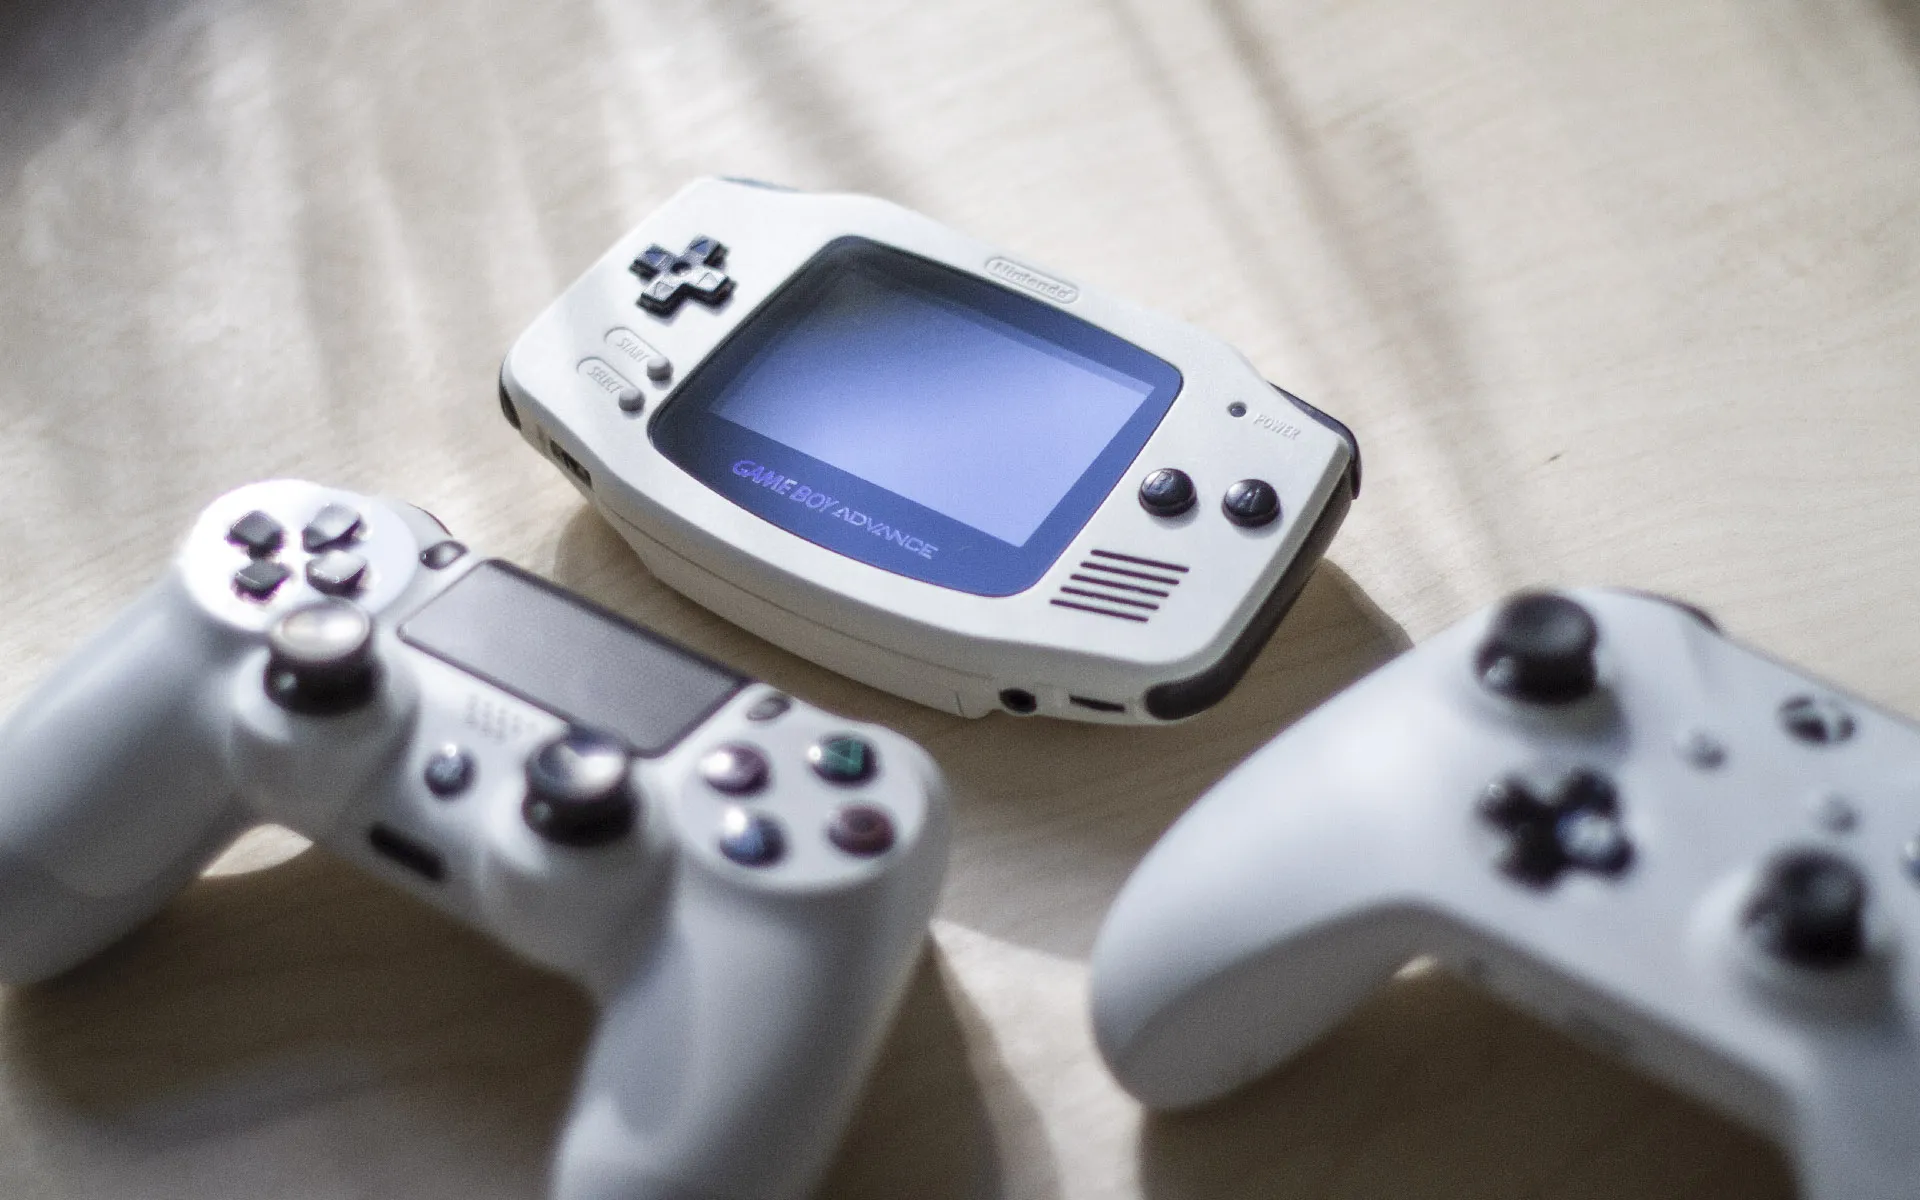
[
  {"x": 1685, "y": 853},
  {"x": 741, "y": 880}
]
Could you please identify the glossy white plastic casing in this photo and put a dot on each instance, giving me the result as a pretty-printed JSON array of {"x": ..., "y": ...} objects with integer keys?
[
  {"x": 1354, "y": 842},
  {"x": 950, "y": 649},
  {"x": 741, "y": 1006}
]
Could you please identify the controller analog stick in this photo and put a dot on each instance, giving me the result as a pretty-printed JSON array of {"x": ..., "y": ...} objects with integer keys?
[
  {"x": 320, "y": 659},
  {"x": 1539, "y": 649},
  {"x": 1810, "y": 909},
  {"x": 578, "y": 792}
]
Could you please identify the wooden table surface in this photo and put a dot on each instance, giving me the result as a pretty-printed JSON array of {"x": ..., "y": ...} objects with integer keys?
[{"x": 1610, "y": 293}]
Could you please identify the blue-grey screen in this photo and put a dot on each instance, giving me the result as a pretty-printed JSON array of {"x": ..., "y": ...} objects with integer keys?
[{"x": 934, "y": 401}]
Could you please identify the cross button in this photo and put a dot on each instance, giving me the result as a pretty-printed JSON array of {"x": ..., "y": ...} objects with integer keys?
[
  {"x": 1575, "y": 824},
  {"x": 670, "y": 278}
]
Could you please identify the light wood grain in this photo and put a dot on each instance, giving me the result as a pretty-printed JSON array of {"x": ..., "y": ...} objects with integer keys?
[{"x": 1610, "y": 293}]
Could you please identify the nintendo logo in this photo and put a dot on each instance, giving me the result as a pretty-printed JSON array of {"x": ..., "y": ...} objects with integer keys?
[{"x": 1008, "y": 271}]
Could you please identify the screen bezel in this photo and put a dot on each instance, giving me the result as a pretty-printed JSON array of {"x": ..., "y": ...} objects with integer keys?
[{"x": 867, "y": 522}]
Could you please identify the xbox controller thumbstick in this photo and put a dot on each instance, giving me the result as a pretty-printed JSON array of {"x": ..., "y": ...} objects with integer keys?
[
  {"x": 320, "y": 659},
  {"x": 1810, "y": 909},
  {"x": 578, "y": 791},
  {"x": 1539, "y": 649}
]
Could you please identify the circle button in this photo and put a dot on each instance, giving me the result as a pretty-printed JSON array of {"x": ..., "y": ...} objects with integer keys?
[
  {"x": 1251, "y": 503},
  {"x": 842, "y": 759},
  {"x": 862, "y": 830},
  {"x": 1167, "y": 492},
  {"x": 735, "y": 768}
]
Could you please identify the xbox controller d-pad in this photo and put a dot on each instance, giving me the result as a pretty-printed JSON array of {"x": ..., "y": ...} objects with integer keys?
[{"x": 1572, "y": 822}]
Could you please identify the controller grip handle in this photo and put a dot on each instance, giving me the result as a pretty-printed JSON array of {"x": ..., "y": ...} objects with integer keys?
[
  {"x": 113, "y": 788},
  {"x": 729, "y": 1065},
  {"x": 1262, "y": 918}
]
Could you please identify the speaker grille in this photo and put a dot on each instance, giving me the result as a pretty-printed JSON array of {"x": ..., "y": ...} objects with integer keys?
[{"x": 1123, "y": 586}]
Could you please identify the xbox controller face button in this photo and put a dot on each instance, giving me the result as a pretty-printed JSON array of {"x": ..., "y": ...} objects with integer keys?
[
  {"x": 578, "y": 792},
  {"x": 1809, "y": 909},
  {"x": 1539, "y": 650},
  {"x": 320, "y": 659}
]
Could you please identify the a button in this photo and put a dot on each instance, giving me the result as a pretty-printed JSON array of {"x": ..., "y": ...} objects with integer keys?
[
  {"x": 862, "y": 830},
  {"x": 736, "y": 769},
  {"x": 767, "y": 708},
  {"x": 1575, "y": 824},
  {"x": 449, "y": 772},
  {"x": 670, "y": 278},
  {"x": 337, "y": 572},
  {"x": 1167, "y": 492},
  {"x": 844, "y": 759},
  {"x": 636, "y": 350},
  {"x": 441, "y": 555},
  {"x": 257, "y": 533},
  {"x": 320, "y": 659},
  {"x": 260, "y": 579},
  {"x": 751, "y": 839},
  {"x": 631, "y": 400},
  {"x": 1810, "y": 909},
  {"x": 334, "y": 525},
  {"x": 1818, "y": 720},
  {"x": 578, "y": 790},
  {"x": 1252, "y": 503},
  {"x": 1539, "y": 648}
]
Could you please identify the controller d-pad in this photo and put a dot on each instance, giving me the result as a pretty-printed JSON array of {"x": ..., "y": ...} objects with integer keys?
[
  {"x": 668, "y": 279},
  {"x": 1573, "y": 825},
  {"x": 260, "y": 579},
  {"x": 337, "y": 572},
  {"x": 334, "y": 525},
  {"x": 256, "y": 533}
]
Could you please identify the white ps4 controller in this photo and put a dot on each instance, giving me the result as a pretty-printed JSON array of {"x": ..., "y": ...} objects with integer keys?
[
  {"x": 890, "y": 448},
  {"x": 742, "y": 881},
  {"x": 1685, "y": 853}
]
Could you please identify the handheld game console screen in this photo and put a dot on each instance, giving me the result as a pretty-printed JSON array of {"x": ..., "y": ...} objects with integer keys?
[
  {"x": 558, "y": 652},
  {"x": 935, "y": 401},
  {"x": 918, "y": 418}
]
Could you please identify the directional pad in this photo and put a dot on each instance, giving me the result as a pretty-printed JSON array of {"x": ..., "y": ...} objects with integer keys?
[
  {"x": 670, "y": 278},
  {"x": 1575, "y": 824}
]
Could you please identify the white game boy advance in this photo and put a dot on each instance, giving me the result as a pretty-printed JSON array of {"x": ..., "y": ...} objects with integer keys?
[{"x": 891, "y": 449}]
